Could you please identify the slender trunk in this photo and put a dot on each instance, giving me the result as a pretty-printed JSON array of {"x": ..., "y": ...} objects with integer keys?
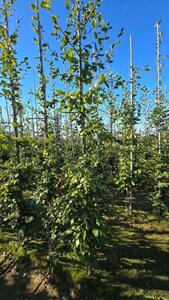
[
  {"x": 1, "y": 121},
  {"x": 42, "y": 75},
  {"x": 8, "y": 115},
  {"x": 21, "y": 119},
  {"x": 82, "y": 115},
  {"x": 69, "y": 120},
  {"x": 35, "y": 105},
  {"x": 158, "y": 103},
  {"x": 56, "y": 120},
  {"x": 131, "y": 126},
  {"x": 158, "y": 63},
  {"x": 111, "y": 103},
  {"x": 97, "y": 106},
  {"x": 32, "y": 118}
]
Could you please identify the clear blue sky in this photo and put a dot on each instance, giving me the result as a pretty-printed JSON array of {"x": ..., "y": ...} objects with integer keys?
[{"x": 138, "y": 17}]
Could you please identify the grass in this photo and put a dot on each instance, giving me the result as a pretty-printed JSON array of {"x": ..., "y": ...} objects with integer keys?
[
  {"x": 142, "y": 242},
  {"x": 134, "y": 264}
]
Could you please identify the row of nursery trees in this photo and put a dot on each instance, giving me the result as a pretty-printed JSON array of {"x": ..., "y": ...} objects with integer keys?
[{"x": 85, "y": 141}]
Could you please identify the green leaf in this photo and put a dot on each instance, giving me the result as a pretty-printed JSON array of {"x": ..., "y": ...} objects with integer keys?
[
  {"x": 63, "y": 102},
  {"x": 94, "y": 23},
  {"x": 46, "y": 4},
  {"x": 95, "y": 35},
  {"x": 70, "y": 51},
  {"x": 102, "y": 78},
  {"x": 67, "y": 4},
  {"x": 33, "y": 7},
  {"x": 77, "y": 243},
  {"x": 121, "y": 32},
  {"x": 95, "y": 232},
  {"x": 68, "y": 109},
  {"x": 54, "y": 19},
  {"x": 102, "y": 23}
]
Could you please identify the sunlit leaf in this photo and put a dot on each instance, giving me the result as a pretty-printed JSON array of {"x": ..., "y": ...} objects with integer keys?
[
  {"x": 46, "y": 4},
  {"x": 67, "y": 4}
]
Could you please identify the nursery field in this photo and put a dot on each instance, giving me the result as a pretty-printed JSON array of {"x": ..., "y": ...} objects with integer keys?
[
  {"x": 84, "y": 150},
  {"x": 135, "y": 265}
]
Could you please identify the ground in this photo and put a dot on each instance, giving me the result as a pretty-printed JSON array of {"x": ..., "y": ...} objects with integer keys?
[{"x": 135, "y": 265}]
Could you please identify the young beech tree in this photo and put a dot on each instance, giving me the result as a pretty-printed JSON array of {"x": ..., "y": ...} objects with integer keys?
[
  {"x": 78, "y": 214},
  {"x": 159, "y": 117},
  {"x": 129, "y": 117},
  {"x": 46, "y": 160},
  {"x": 10, "y": 71},
  {"x": 42, "y": 95},
  {"x": 85, "y": 29}
]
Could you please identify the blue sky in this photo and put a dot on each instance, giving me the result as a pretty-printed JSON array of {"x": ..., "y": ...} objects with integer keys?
[{"x": 138, "y": 17}]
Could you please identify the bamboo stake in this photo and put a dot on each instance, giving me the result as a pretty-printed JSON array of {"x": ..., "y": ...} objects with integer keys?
[
  {"x": 82, "y": 118},
  {"x": 42, "y": 75},
  {"x": 158, "y": 64},
  {"x": 131, "y": 125}
]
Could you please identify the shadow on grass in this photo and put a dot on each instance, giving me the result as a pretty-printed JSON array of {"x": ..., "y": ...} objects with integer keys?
[
  {"x": 143, "y": 264},
  {"x": 134, "y": 264},
  {"x": 131, "y": 266}
]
